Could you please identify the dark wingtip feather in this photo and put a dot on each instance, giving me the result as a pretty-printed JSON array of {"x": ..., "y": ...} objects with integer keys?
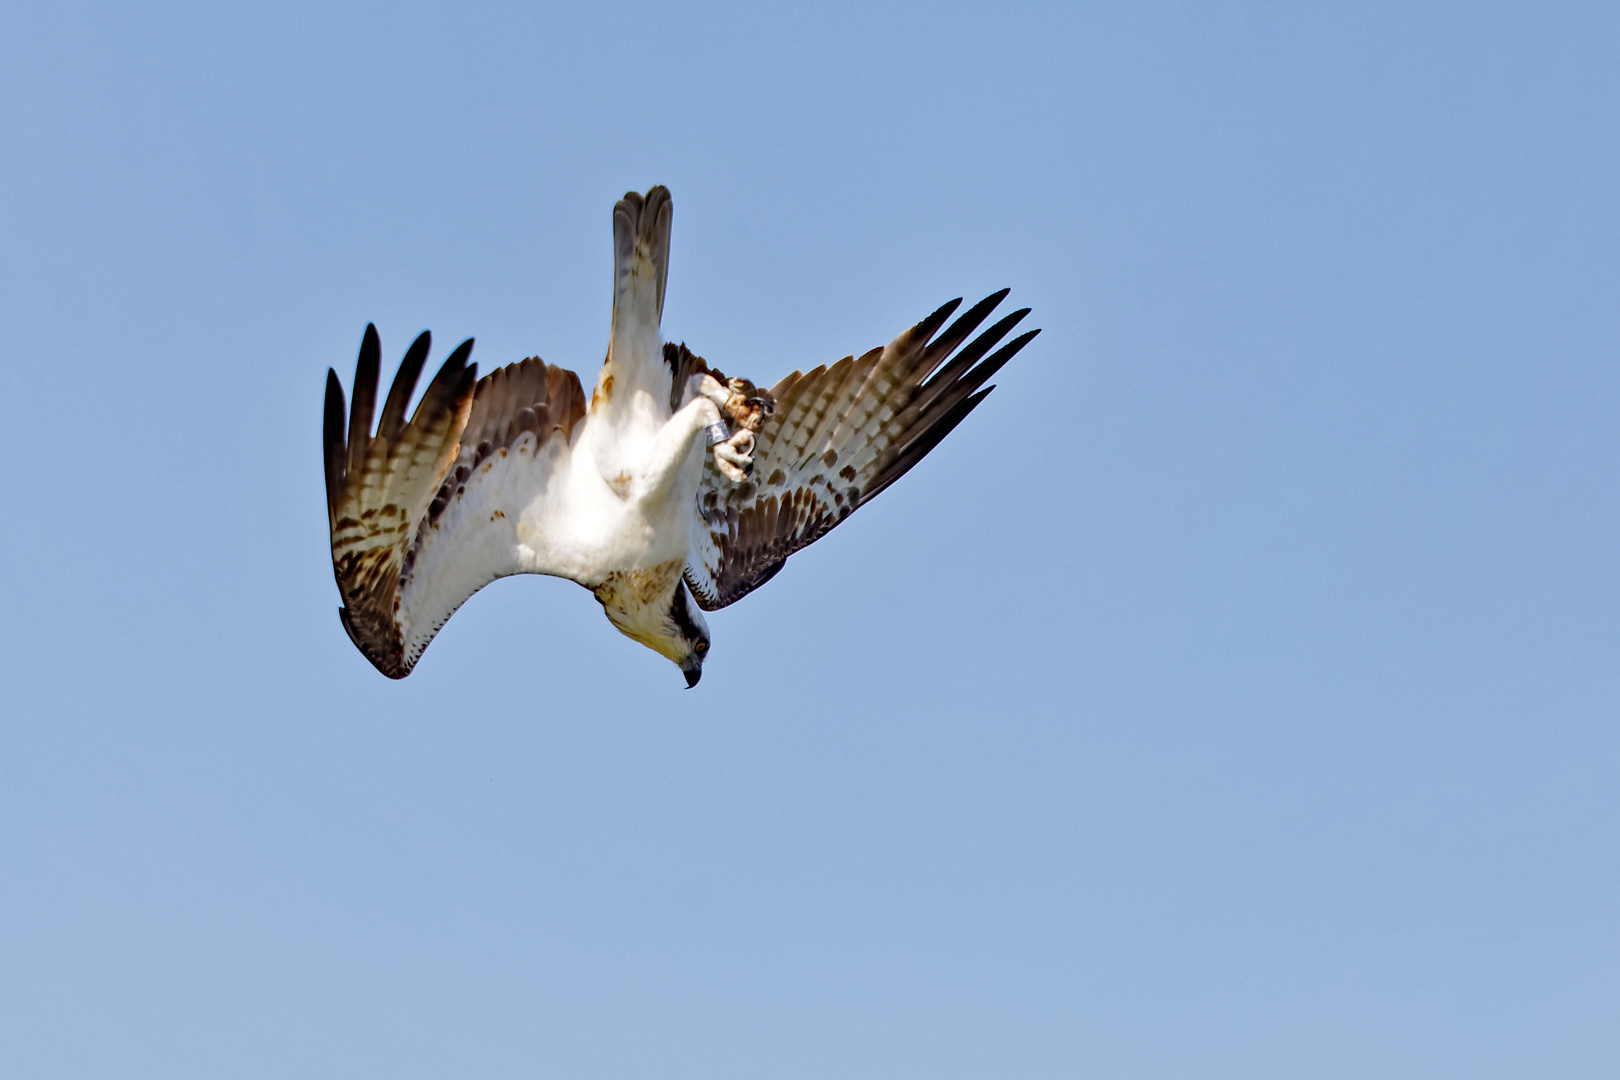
[
  {"x": 969, "y": 355},
  {"x": 364, "y": 389},
  {"x": 920, "y": 447},
  {"x": 468, "y": 383},
  {"x": 926, "y": 328},
  {"x": 454, "y": 380},
  {"x": 984, "y": 307},
  {"x": 965, "y": 324},
  {"x": 1001, "y": 356},
  {"x": 332, "y": 443},
  {"x": 399, "y": 394}
]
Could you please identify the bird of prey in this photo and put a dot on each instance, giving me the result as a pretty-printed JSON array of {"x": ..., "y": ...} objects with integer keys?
[{"x": 671, "y": 489}]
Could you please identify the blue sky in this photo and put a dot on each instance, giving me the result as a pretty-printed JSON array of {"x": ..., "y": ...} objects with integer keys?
[{"x": 1234, "y": 694}]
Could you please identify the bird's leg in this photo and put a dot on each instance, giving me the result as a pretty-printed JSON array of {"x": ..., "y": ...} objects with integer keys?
[
  {"x": 737, "y": 401},
  {"x": 734, "y": 456},
  {"x": 672, "y": 447}
]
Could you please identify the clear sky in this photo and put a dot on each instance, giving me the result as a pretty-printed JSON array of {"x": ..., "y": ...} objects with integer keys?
[{"x": 1233, "y": 695}]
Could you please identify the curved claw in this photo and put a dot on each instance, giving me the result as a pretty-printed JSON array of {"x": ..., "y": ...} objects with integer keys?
[{"x": 733, "y": 456}]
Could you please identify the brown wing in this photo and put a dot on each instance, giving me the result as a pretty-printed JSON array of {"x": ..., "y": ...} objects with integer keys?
[
  {"x": 405, "y": 550},
  {"x": 838, "y": 437},
  {"x": 378, "y": 487},
  {"x": 683, "y": 364}
]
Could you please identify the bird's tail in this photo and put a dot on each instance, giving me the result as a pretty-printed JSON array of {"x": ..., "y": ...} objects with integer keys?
[{"x": 641, "y": 258}]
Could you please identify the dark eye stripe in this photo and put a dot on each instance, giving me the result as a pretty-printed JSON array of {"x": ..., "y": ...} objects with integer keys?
[{"x": 682, "y": 615}]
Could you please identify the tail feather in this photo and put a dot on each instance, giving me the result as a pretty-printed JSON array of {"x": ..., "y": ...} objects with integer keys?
[{"x": 641, "y": 225}]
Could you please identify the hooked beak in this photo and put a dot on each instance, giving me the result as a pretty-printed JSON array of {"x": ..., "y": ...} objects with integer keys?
[{"x": 693, "y": 674}]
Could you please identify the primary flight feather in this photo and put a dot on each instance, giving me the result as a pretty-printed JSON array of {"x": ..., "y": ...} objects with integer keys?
[{"x": 671, "y": 491}]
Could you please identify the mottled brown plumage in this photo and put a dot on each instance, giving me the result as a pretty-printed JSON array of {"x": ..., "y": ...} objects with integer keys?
[
  {"x": 527, "y": 396},
  {"x": 386, "y": 491},
  {"x": 839, "y": 436}
]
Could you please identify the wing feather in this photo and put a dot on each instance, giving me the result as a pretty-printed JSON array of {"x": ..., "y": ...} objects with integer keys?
[
  {"x": 365, "y": 399},
  {"x": 378, "y": 489},
  {"x": 423, "y": 512},
  {"x": 839, "y": 436}
]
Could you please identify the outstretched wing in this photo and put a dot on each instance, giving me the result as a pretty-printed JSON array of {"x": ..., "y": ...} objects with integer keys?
[
  {"x": 423, "y": 514},
  {"x": 838, "y": 437}
]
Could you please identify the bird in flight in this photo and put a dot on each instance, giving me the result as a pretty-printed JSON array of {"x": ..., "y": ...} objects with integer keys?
[{"x": 670, "y": 491}]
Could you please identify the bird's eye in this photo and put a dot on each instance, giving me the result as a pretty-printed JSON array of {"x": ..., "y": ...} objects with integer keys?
[{"x": 702, "y": 648}]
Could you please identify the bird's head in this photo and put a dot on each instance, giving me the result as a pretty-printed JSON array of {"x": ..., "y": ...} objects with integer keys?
[
  {"x": 691, "y": 641},
  {"x": 674, "y": 629}
]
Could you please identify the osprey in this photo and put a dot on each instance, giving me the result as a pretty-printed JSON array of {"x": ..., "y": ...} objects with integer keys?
[{"x": 672, "y": 489}]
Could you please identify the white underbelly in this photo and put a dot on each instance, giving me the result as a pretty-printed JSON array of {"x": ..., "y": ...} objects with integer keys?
[{"x": 587, "y": 530}]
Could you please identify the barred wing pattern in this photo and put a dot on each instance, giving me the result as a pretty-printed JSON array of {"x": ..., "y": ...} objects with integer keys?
[
  {"x": 515, "y": 446},
  {"x": 422, "y": 513},
  {"x": 839, "y": 436},
  {"x": 378, "y": 486}
]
